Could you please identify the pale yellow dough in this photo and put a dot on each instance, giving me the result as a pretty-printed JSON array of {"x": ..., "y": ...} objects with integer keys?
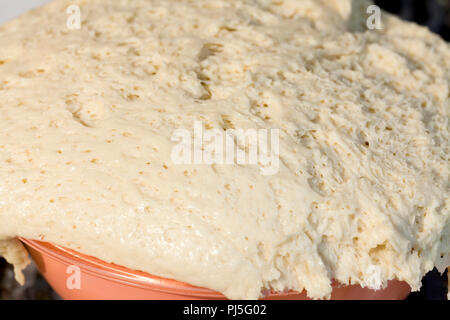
[{"x": 87, "y": 116}]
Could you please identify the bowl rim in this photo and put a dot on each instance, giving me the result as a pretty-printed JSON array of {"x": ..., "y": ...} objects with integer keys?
[
  {"x": 114, "y": 272},
  {"x": 127, "y": 276},
  {"x": 135, "y": 278}
]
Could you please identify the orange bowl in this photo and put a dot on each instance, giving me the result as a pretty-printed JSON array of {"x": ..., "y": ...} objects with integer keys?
[{"x": 98, "y": 280}]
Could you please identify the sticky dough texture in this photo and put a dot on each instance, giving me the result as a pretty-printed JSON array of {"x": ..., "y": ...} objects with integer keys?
[{"x": 363, "y": 186}]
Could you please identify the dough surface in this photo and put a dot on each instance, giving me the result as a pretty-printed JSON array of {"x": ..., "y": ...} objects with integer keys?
[{"x": 87, "y": 118}]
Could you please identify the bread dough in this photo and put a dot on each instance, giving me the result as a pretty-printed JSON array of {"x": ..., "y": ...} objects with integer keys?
[{"x": 362, "y": 191}]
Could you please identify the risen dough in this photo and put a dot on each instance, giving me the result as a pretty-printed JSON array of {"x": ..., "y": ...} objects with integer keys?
[{"x": 87, "y": 116}]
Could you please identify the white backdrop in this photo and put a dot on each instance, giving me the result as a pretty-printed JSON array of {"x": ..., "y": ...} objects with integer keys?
[{"x": 10, "y": 9}]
